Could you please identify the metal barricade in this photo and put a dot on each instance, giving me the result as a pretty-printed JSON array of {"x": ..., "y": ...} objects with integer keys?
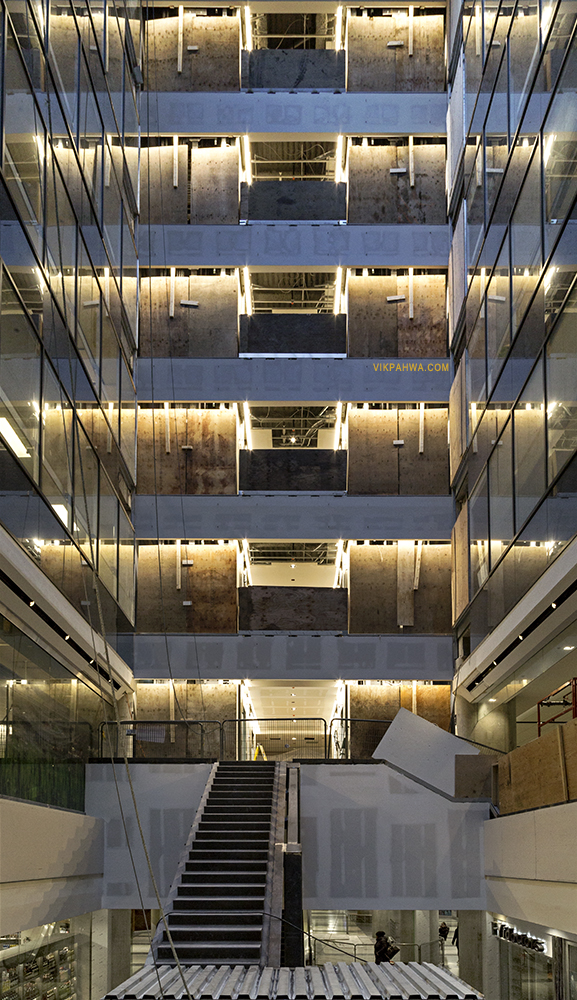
[
  {"x": 185, "y": 738},
  {"x": 273, "y": 739},
  {"x": 355, "y": 738}
]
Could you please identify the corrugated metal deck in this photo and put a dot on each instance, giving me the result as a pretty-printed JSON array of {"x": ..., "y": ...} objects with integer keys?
[{"x": 338, "y": 981}]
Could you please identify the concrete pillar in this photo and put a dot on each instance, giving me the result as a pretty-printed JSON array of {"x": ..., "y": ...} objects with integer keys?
[
  {"x": 110, "y": 958},
  {"x": 472, "y": 938}
]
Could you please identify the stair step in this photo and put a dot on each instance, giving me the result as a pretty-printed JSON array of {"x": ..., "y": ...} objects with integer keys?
[
  {"x": 206, "y": 951},
  {"x": 222, "y": 889},
  {"x": 229, "y": 843},
  {"x": 234, "y": 934},
  {"x": 228, "y": 878},
  {"x": 206, "y": 855},
  {"x": 212, "y": 918},
  {"x": 199, "y": 904},
  {"x": 226, "y": 866}
]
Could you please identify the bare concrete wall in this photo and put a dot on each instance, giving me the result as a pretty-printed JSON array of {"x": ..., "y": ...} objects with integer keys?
[
  {"x": 161, "y": 201},
  {"x": 383, "y": 701},
  {"x": 214, "y": 191},
  {"x": 209, "y": 330},
  {"x": 215, "y": 66},
  {"x": 302, "y": 608},
  {"x": 377, "y": 466},
  {"x": 206, "y": 703},
  {"x": 460, "y": 563},
  {"x": 202, "y": 456},
  {"x": 208, "y": 585},
  {"x": 376, "y": 68},
  {"x": 377, "y": 196}
]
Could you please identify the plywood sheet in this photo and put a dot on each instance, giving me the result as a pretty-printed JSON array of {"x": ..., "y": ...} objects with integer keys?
[
  {"x": 215, "y": 66},
  {"x": 209, "y": 330},
  {"x": 427, "y": 472},
  {"x": 373, "y": 589},
  {"x": 202, "y": 456},
  {"x": 434, "y": 704},
  {"x": 214, "y": 180},
  {"x": 373, "y": 459}
]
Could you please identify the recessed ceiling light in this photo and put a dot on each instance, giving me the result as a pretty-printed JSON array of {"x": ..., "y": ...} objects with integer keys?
[
  {"x": 492, "y": 699},
  {"x": 568, "y": 648}
]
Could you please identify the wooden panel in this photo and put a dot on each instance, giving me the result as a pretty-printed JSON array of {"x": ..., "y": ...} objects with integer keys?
[
  {"x": 433, "y": 595},
  {"x": 405, "y": 576},
  {"x": 209, "y": 584},
  {"x": 424, "y": 336},
  {"x": 434, "y": 704},
  {"x": 373, "y": 466},
  {"x": 209, "y": 330},
  {"x": 167, "y": 204},
  {"x": 214, "y": 67},
  {"x": 374, "y": 68},
  {"x": 374, "y": 701},
  {"x": 373, "y": 321},
  {"x": 427, "y": 472},
  {"x": 202, "y": 457},
  {"x": 533, "y": 775},
  {"x": 570, "y": 749},
  {"x": 460, "y": 563},
  {"x": 285, "y": 608},
  {"x": 214, "y": 184},
  {"x": 373, "y": 589}
]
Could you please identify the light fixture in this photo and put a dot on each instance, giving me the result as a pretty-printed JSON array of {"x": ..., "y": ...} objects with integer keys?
[
  {"x": 568, "y": 648},
  {"x": 338, "y": 286},
  {"x": 553, "y": 605},
  {"x": 247, "y": 426},
  {"x": 247, "y": 29},
  {"x": 338, "y": 420},
  {"x": 338, "y": 560},
  {"x": 492, "y": 699},
  {"x": 247, "y": 291},
  {"x": 293, "y": 440},
  {"x": 339, "y": 32},
  {"x": 247, "y": 163}
]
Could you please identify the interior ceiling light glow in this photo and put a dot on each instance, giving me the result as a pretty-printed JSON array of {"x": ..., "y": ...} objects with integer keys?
[
  {"x": 338, "y": 286},
  {"x": 339, "y": 29},
  {"x": 247, "y": 163},
  {"x": 247, "y": 29},
  {"x": 11, "y": 438},
  {"x": 247, "y": 425}
]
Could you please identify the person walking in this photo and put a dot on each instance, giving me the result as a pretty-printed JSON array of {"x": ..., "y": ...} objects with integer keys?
[{"x": 385, "y": 948}]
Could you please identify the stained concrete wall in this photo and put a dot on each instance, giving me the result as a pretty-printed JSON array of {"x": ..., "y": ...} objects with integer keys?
[
  {"x": 377, "y": 196},
  {"x": 296, "y": 608},
  {"x": 209, "y": 702},
  {"x": 209, "y": 330},
  {"x": 381, "y": 702},
  {"x": 291, "y": 68},
  {"x": 208, "y": 586},
  {"x": 377, "y": 466},
  {"x": 214, "y": 67},
  {"x": 298, "y": 201},
  {"x": 375, "y": 583},
  {"x": 161, "y": 202},
  {"x": 52, "y": 864},
  {"x": 202, "y": 456},
  {"x": 214, "y": 191},
  {"x": 310, "y": 470},
  {"x": 376, "y": 68},
  {"x": 301, "y": 333}
]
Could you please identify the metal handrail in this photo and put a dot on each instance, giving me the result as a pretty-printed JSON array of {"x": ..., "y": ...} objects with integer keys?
[
  {"x": 125, "y": 727},
  {"x": 336, "y": 722}
]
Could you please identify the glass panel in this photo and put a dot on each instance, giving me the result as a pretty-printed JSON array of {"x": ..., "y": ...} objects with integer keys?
[
  {"x": 475, "y": 208},
  {"x": 501, "y": 492},
  {"x": 560, "y": 151},
  {"x": 476, "y": 361},
  {"x": 498, "y": 316},
  {"x": 24, "y": 148},
  {"x": 85, "y": 494},
  {"x": 530, "y": 462},
  {"x": 108, "y": 535},
  {"x": 128, "y": 419},
  {"x": 523, "y": 46},
  {"x": 526, "y": 241},
  {"x": 562, "y": 393},
  {"x": 19, "y": 382},
  {"x": 57, "y": 454},
  {"x": 479, "y": 534},
  {"x": 126, "y": 568}
]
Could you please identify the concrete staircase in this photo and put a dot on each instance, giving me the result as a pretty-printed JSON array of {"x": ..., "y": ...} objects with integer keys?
[{"x": 216, "y": 910}]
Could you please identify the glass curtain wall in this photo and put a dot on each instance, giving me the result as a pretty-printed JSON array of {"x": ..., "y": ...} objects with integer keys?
[
  {"x": 516, "y": 342},
  {"x": 68, "y": 183}
]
